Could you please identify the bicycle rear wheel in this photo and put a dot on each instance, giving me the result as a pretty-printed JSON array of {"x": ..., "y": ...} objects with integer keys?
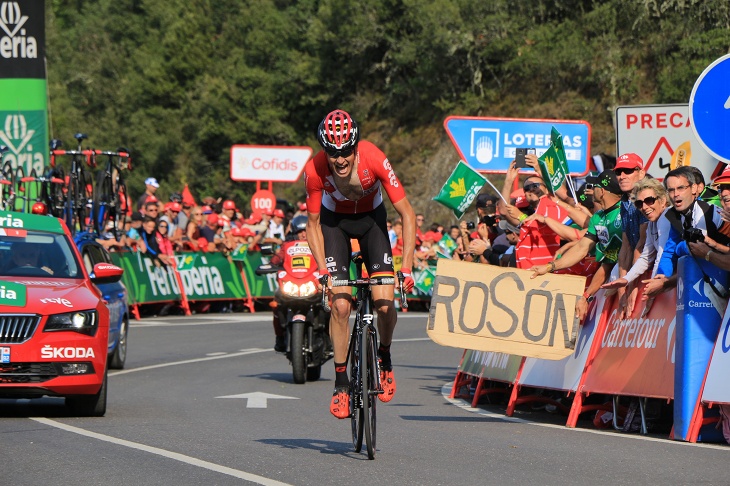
[
  {"x": 70, "y": 215},
  {"x": 85, "y": 198},
  {"x": 369, "y": 367},
  {"x": 356, "y": 412},
  {"x": 120, "y": 209}
]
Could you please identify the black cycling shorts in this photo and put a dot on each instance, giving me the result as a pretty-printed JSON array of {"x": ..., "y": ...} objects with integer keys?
[{"x": 369, "y": 229}]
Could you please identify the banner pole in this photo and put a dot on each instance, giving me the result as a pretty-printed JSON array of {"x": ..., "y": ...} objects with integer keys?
[
  {"x": 183, "y": 297},
  {"x": 248, "y": 301}
]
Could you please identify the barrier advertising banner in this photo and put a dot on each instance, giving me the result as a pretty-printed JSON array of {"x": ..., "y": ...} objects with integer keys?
[
  {"x": 716, "y": 387},
  {"x": 205, "y": 276},
  {"x": 698, "y": 321},
  {"x": 636, "y": 355},
  {"x": 488, "y": 308},
  {"x": 565, "y": 374},
  {"x": 489, "y": 365},
  {"x": 23, "y": 108}
]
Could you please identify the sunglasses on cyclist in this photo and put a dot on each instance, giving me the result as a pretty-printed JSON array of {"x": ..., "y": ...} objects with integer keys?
[
  {"x": 336, "y": 154},
  {"x": 625, "y": 171},
  {"x": 532, "y": 187},
  {"x": 639, "y": 203}
]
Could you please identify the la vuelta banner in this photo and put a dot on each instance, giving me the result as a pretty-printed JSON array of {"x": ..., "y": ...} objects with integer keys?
[
  {"x": 205, "y": 276},
  {"x": 636, "y": 355},
  {"x": 23, "y": 106}
]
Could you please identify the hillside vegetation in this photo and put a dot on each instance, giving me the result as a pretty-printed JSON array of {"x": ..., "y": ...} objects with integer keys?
[{"x": 180, "y": 81}]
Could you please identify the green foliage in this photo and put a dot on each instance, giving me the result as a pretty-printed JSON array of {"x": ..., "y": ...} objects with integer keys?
[{"x": 181, "y": 81}]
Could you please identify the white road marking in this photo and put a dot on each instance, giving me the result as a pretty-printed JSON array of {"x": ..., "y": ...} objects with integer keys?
[
  {"x": 189, "y": 361},
  {"x": 214, "y": 319},
  {"x": 219, "y": 353},
  {"x": 464, "y": 405},
  {"x": 259, "y": 399},
  {"x": 162, "y": 452}
]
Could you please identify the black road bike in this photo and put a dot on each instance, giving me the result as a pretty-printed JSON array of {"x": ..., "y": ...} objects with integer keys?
[
  {"x": 362, "y": 356},
  {"x": 110, "y": 194},
  {"x": 80, "y": 189}
]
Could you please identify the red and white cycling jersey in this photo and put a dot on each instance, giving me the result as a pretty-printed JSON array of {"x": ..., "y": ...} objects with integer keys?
[{"x": 373, "y": 170}]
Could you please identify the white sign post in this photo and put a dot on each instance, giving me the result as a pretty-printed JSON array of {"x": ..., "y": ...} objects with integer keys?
[
  {"x": 268, "y": 163},
  {"x": 656, "y": 132}
]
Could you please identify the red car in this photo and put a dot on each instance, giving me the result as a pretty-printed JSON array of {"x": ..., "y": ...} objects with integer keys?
[{"x": 54, "y": 323}]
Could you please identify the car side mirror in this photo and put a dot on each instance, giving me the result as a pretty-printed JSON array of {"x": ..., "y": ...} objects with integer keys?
[{"x": 105, "y": 273}]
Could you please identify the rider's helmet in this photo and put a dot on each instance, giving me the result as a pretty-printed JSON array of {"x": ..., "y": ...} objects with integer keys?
[
  {"x": 298, "y": 224},
  {"x": 338, "y": 132}
]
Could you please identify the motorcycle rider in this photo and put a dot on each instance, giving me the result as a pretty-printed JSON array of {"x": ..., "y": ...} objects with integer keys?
[{"x": 298, "y": 232}]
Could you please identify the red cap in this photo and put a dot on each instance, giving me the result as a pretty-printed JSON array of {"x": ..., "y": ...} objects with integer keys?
[
  {"x": 302, "y": 206},
  {"x": 520, "y": 201},
  {"x": 236, "y": 231},
  {"x": 213, "y": 218},
  {"x": 221, "y": 220},
  {"x": 432, "y": 236},
  {"x": 166, "y": 206},
  {"x": 228, "y": 204},
  {"x": 175, "y": 206},
  {"x": 629, "y": 161},
  {"x": 724, "y": 177},
  {"x": 279, "y": 213},
  {"x": 245, "y": 232},
  {"x": 151, "y": 199},
  {"x": 254, "y": 219}
]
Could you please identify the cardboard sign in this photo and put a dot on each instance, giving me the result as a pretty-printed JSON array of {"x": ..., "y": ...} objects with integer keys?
[{"x": 488, "y": 308}]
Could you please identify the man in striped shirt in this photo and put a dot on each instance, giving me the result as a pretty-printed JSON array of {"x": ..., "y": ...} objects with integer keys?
[{"x": 537, "y": 243}]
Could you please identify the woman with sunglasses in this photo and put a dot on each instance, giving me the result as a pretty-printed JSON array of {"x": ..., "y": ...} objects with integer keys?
[
  {"x": 192, "y": 231},
  {"x": 650, "y": 197},
  {"x": 344, "y": 185}
]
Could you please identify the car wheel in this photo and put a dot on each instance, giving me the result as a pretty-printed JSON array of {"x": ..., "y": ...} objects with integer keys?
[
  {"x": 119, "y": 355},
  {"x": 89, "y": 405}
]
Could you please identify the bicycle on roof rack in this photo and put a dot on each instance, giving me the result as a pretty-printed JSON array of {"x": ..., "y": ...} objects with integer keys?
[
  {"x": 110, "y": 197},
  {"x": 7, "y": 181},
  {"x": 362, "y": 355},
  {"x": 80, "y": 189},
  {"x": 48, "y": 191}
]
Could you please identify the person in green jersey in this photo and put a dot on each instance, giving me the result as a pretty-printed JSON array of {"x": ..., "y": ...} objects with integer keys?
[{"x": 604, "y": 235}]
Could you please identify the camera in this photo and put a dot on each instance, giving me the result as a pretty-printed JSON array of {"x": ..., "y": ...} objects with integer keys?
[
  {"x": 693, "y": 235},
  {"x": 470, "y": 225}
]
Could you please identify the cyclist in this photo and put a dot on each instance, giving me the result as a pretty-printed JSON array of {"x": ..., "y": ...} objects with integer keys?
[{"x": 344, "y": 201}]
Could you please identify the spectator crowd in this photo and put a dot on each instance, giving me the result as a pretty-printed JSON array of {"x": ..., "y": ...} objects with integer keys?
[{"x": 615, "y": 227}]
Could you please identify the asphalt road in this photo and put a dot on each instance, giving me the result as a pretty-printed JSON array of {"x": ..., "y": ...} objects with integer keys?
[{"x": 173, "y": 418}]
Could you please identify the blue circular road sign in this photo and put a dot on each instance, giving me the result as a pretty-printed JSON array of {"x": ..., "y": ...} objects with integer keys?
[{"x": 709, "y": 108}]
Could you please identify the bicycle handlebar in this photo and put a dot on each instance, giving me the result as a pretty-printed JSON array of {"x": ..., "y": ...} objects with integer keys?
[{"x": 364, "y": 282}]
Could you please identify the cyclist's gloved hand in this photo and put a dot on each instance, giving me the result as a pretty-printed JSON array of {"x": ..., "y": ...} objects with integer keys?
[
  {"x": 408, "y": 282},
  {"x": 324, "y": 277}
]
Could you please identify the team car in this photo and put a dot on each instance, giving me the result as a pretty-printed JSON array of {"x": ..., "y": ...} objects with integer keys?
[
  {"x": 54, "y": 323},
  {"x": 115, "y": 296}
]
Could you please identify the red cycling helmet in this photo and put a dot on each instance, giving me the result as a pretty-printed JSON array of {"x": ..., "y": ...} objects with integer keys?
[{"x": 338, "y": 134}]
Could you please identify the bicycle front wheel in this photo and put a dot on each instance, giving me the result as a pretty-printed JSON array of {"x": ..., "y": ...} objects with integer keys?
[
  {"x": 356, "y": 411},
  {"x": 369, "y": 367}
]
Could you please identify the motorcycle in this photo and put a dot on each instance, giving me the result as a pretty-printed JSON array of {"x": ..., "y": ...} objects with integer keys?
[{"x": 299, "y": 306}]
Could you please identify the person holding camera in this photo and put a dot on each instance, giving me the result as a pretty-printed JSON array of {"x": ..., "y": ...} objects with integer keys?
[
  {"x": 537, "y": 244},
  {"x": 691, "y": 220}
]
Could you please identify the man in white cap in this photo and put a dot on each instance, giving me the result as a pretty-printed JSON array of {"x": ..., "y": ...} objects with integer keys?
[{"x": 151, "y": 186}]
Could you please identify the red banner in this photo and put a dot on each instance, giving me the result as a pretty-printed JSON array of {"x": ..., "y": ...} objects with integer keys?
[{"x": 636, "y": 355}]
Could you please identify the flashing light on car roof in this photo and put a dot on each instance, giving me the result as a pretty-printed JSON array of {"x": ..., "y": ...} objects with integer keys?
[{"x": 39, "y": 208}]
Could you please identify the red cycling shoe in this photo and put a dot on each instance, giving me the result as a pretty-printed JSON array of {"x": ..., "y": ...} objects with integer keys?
[
  {"x": 340, "y": 404},
  {"x": 387, "y": 381}
]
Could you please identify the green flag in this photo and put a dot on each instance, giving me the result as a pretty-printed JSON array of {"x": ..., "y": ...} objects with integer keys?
[
  {"x": 424, "y": 280},
  {"x": 557, "y": 140},
  {"x": 460, "y": 189},
  {"x": 552, "y": 170}
]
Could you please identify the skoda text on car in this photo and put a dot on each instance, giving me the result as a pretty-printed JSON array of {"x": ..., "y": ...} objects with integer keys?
[{"x": 54, "y": 324}]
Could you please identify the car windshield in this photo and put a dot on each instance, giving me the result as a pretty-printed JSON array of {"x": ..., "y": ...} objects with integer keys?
[{"x": 37, "y": 254}]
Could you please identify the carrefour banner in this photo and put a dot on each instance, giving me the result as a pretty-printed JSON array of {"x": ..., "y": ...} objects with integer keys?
[
  {"x": 716, "y": 387},
  {"x": 23, "y": 106},
  {"x": 636, "y": 355},
  {"x": 204, "y": 276}
]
